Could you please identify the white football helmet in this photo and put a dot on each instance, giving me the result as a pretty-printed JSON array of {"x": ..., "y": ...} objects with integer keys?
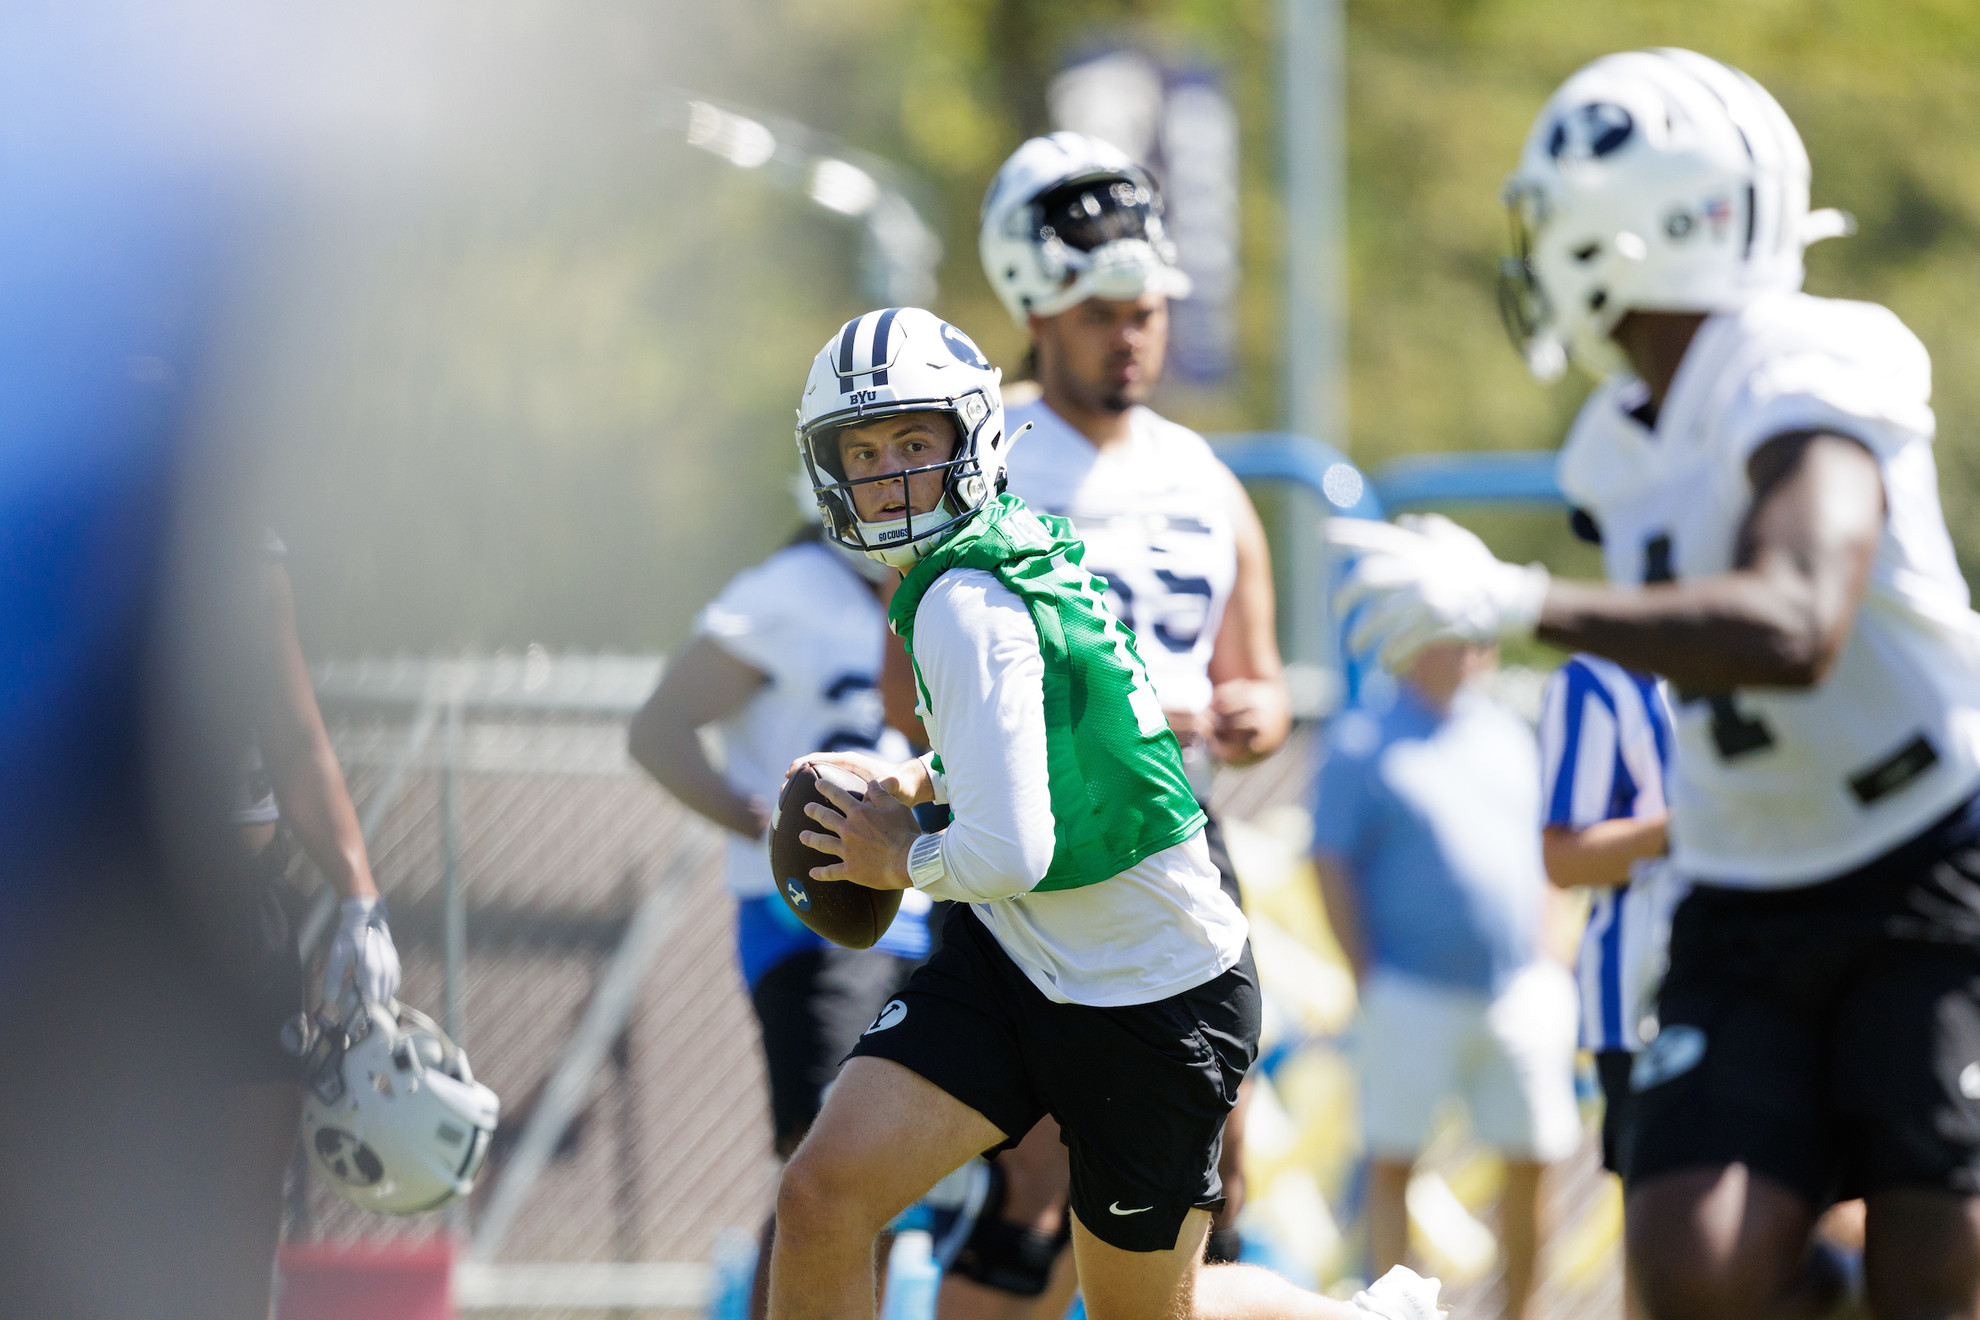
[
  {"x": 1068, "y": 218},
  {"x": 901, "y": 360},
  {"x": 1653, "y": 180},
  {"x": 392, "y": 1115}
]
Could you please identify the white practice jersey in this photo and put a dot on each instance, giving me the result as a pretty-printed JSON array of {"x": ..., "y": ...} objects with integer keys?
[
  {"x": 1155, "y": 515},
  {"x": 1155, "y": 930},
  {"x": 807, "y": 621},
  {"x": 1773, "y": 787}
]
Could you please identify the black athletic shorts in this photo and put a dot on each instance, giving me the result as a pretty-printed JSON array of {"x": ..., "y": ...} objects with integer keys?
[
  {"x": 1140, "y": 1092},
  {"x": 1827, "y": 1036},
  {"x": 811, "y": 1007},
  {"x": 1612, "y": 1071},
  {"x": 270, "y": 967}
]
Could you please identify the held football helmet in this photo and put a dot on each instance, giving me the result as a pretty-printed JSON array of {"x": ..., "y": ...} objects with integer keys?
[
  {"x": 882, "y": 364},
  {"x": 1068, "y": 218},
  {"x": 1653, "y": 180},
  {"x": 392, "y": 1115}
]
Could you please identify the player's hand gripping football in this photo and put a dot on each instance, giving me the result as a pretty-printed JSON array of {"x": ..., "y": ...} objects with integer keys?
[
  {"x": 869, "y": 835},
  {"x": 1424, "y": 579}
]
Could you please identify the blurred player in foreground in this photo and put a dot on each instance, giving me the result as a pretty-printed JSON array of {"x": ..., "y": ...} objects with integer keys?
[
  {"x": 783, "y": 662},
  {"x": 1072, "y": 241},
  {"x": 1424, "y": 847},
  {"x": 1092, "y": 966},
  {"x": 1605, "y": 737},
  {"x": 1759, "y": 463},
  {"x": 291, "y": 784}
]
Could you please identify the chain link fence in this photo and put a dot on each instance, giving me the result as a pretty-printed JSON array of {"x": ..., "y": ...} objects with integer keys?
[
  {"x": 522, "y": 792},
  {"x": 536, "y": 879}
]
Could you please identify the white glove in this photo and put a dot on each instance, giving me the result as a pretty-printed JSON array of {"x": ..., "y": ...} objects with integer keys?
[
  {"x": 363, "y": 951},
  {"x": 1424, "y": 579},
  {"x": 1401, "y": 1294}
]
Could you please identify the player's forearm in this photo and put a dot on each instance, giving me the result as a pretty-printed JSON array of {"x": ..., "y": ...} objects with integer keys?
[
  {"x": 1781, "y": 616},
  {"x": 317, "y": 806},
  {"x": 897, "y": 693},
  {"x": 1601, "y": 855},
  {"x": 1250, "y": 719},
  {"x": 674, "y": 757},
  {"x": 1741, "y": 629}
]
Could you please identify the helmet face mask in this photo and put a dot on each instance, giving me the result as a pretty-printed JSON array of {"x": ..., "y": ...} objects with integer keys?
[
  {"x": 838, "y": 494},
  {"x": 922, "y": 365},
  {"x": 1523, "y": 305},
  {"x": 1069, "y": 218}
]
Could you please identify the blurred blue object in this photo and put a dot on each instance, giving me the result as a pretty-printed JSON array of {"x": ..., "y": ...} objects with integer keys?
[
  {"x": 913, "y": 1277},
  {"x": 104, "y": 291},
  {"x": 734, "y": 1275},
  {"x": 1521, "y": 478},
  {"x": 1513, "y": 480},
  {"x": 1304, "y": 461}
]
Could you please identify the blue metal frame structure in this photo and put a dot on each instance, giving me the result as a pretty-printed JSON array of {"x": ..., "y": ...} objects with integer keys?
[
  {"x": 1507, "y": 480},
  {"x": 1517, "y": 478}
]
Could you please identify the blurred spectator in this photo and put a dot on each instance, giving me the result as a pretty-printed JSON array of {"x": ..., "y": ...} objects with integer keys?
[
  {"x": 1605, "y": 736},
  {"x": 1431, "y": 874}
]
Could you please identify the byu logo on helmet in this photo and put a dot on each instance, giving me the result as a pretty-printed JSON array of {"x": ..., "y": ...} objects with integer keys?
[
  {"x": 1590, "y": 131},
  {"x": 799, "y": 899},
  {"x": 965, "y": 352},
  {"x": 350, "y": 1159}
]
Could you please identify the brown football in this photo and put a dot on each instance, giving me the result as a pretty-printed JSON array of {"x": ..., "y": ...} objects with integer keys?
[{"x": 845, "y": 913}]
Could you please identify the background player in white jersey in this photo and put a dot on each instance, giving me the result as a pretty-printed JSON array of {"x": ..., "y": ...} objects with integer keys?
[
  {"x": 783, "y": 662},
  {"x": 1604, "y": 741},
  {"x": 1072, "y": 241},
  {"x": 1760, "y": 465}
]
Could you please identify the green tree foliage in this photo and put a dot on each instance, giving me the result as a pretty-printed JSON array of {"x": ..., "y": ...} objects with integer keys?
[{"x": 538, "y": 385}]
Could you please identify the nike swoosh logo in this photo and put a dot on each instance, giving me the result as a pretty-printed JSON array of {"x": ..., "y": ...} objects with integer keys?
[{"x": 1115, "y": 1208}]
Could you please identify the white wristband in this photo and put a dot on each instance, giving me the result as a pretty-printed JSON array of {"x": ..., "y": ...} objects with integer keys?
[{"x": 925, "y": 864}]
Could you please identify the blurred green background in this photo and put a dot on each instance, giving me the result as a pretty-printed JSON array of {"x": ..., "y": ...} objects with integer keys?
[{"x": 532, "y": 378}]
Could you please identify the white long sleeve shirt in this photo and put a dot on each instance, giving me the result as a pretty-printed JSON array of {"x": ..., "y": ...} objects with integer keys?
[{"x": 1155, "y": 930}]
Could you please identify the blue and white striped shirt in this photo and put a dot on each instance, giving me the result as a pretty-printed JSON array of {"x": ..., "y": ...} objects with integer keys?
[{"x": 1605, "y": 740}]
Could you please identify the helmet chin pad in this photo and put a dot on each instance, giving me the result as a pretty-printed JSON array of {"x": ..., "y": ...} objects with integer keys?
[{"x": 900, "y": 543}]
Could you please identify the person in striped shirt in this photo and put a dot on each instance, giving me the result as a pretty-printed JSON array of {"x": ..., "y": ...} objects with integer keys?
[{"x": 1605, "y": 737}]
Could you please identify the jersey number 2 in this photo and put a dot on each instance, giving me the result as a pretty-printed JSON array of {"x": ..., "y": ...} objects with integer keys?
[{"x": 1734, "y": 732}]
